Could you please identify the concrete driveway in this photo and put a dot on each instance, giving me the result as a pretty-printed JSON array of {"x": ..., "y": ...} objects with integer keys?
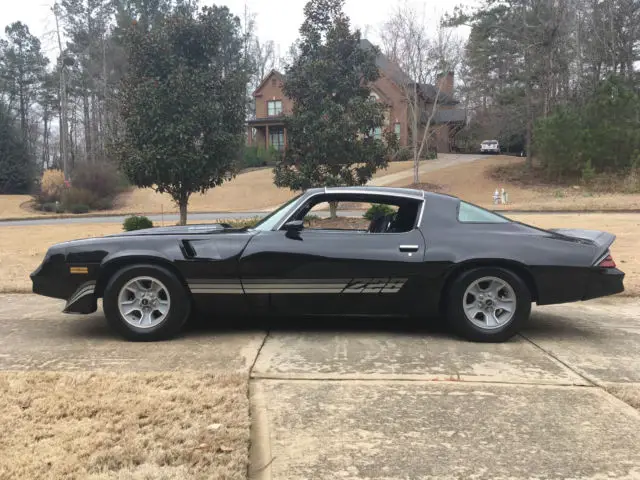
[{"x": 360, "y": 399}]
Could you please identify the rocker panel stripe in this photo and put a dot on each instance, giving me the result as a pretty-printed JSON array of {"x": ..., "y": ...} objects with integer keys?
[{"x": 301, "y": 286}]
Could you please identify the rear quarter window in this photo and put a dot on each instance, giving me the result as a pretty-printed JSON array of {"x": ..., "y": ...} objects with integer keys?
[{"x": 468, "y": 213}]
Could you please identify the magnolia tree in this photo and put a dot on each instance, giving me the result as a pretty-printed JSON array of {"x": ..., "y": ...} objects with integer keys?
[
  {"x": 183, "y": 103},
  {"x": 423, "y": 60},
  {"x": 331, "y": 130}
]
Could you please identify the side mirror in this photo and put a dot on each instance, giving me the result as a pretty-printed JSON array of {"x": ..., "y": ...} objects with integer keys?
[{"x": 294, "y": 226}]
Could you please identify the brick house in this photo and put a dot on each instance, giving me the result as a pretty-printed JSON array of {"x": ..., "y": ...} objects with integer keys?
[{"x": 267, "y": 128}]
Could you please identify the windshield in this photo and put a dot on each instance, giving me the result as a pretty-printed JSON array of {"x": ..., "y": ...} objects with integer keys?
[{"x": 271, "y": 220}]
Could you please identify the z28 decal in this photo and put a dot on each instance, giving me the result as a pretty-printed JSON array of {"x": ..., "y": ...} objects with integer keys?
[{"x": 273, "y": 286}]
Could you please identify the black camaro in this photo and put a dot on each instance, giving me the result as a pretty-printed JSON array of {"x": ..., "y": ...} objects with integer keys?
[{"x": 423, "y": 253}]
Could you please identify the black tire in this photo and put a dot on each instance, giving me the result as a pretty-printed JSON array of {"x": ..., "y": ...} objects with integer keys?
[
  {"x": 179, "y": 308},
  {"x": 464, "y": 327}
]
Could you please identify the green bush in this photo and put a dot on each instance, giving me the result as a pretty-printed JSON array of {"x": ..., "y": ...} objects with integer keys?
[
  {"x": 588, "y": 172},
  {"x": 403, "y": 155},
  {"x": 136, "y": 222},
  {"x": 103, "y": 179},
  {"x": 52, "y": 207},
  {"x": 309, "y": 219},
  {"x": 255, "y": 157},
  {"x": 378, "y": 209},
  {"x": 600, "y": 135},
  {"x": 17, "y": 168},
  {"x": 77, "y": 196},
  {"x": 242, "y": 222},
  {"x": 79, "y": 208}
]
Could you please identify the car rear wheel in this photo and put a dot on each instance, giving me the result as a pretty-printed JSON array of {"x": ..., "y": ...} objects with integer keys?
[
  {"x": 488, "y": 304},
  {"x": 146, "y": 303}
]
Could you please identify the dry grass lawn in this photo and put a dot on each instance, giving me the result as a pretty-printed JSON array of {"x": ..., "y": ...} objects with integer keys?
[
  {"x": 472, "y": 182},
  {"x": 251, "y": 191},
  {"x": 10, "y": 206},
  {"x": 142, "y": 426},
  {"x": 628, "y": 393},
  {"x": 22, "y": 248}
]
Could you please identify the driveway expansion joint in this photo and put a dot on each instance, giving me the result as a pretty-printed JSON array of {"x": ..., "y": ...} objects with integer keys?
[
  {"x": 375, "y": 378},
  {"x": 553, "y": 357}
]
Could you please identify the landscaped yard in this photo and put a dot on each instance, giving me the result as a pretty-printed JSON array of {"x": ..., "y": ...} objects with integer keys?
[
  {"x": 254, "y": 191},
  {"x": 22, "y": 248},
  {"x": 140, "y": 426},
  {"x": 472, "y": 182},
  {"x": 250, "y": 191}
]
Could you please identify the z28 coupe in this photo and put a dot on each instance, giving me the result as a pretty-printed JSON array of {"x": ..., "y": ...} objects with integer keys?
[{"x": 424, "y": 253}]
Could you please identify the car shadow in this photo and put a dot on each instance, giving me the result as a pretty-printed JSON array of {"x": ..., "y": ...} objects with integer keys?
[
  {"x": 95, "y": 326},
  {"x": 559, "y": 327},
  {"x": 203, "y": 324}
]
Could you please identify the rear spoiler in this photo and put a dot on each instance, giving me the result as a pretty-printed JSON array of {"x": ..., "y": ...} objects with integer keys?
[{"x": 602, "y": 240}]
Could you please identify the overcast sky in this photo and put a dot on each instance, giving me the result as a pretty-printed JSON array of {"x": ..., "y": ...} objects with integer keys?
[{"x": 277, "y": 20}]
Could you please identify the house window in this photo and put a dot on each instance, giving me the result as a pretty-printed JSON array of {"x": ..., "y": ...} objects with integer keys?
[
  {"x": 377, "y": 133},
  {"x": 276, "y": 138},
  {"x": 274, "y": 108},
  {"x": 396, "y": 129}
]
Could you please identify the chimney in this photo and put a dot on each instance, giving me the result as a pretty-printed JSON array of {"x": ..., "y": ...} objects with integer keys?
[{"x": 446, "y": 83}]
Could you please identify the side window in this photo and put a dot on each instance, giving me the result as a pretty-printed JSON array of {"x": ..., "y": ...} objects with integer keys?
[
  {"x": 361, "y": 216},
  {"x": 470, "y": 213},
  {"x": 348, "y": 217}
]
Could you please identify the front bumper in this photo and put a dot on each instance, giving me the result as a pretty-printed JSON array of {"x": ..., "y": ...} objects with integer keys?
[
  {"x": 54, "y": 278},
  {"x": 603, "y": 282},
  {"x": 83, "y": 300}
]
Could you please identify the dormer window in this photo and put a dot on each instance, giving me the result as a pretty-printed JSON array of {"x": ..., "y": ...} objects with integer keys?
[{"x": 274, "y": 108}]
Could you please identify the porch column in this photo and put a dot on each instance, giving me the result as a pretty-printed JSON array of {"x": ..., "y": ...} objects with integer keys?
[
  {"x": 266, "y": 138},
  {"x": 285, "y": 137},
  {"x": 250, "y": 135}
]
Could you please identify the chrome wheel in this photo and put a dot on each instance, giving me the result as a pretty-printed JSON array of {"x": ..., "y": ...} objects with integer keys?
[
  {"x": 489, "y": 303},
  {"x": 144, "y": 302}
]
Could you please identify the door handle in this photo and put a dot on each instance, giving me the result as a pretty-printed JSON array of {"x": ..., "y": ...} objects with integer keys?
[{"x": 408, "y": 248}]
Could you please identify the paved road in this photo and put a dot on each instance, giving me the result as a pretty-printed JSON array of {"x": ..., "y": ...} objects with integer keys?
[
  {"x": 380, "y": 400},
  {"x": 444, "y": 160}
]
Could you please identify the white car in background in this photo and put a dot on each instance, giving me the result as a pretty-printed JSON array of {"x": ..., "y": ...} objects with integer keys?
[{"x": 490, "y": 146}]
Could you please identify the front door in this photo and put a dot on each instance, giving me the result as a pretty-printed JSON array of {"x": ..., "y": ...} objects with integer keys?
[{"x": 335, "y": 272}]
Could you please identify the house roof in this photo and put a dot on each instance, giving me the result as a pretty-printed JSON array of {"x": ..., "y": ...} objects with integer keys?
[
  {"x": 392, "y": 70},
  {"x": 273, "y": 72},
  {"x": 400, "y": 78},
  {"x": 450, "y": 115}
]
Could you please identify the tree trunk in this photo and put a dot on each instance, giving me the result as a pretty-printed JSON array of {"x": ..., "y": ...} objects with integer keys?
[
  {"x": 414, "y": 137},
  {"x": 96, "y": 153},
  {"x": 183, "y": 203},
  {"x": 87, "y": 125},
  {"x": 45, "y": 139},
  {"x": 333, "y": 210}
]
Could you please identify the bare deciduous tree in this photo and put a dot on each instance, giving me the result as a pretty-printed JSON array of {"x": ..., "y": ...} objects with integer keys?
[{"x": 423, "y": 60}]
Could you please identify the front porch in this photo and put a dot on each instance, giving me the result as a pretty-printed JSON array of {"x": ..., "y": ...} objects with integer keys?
[{"x": 267, "y": 133}]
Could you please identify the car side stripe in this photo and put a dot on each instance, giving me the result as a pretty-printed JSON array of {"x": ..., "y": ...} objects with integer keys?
[{"x": 297, "y": 286}]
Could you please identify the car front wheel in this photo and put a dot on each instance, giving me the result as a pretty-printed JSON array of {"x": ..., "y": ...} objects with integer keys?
[
  {"x": 146, "y": 303},
  {"x": 488, "y": 304}
]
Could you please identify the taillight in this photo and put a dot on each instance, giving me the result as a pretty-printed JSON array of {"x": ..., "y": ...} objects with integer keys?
[{"x": 607, "y": 262}]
